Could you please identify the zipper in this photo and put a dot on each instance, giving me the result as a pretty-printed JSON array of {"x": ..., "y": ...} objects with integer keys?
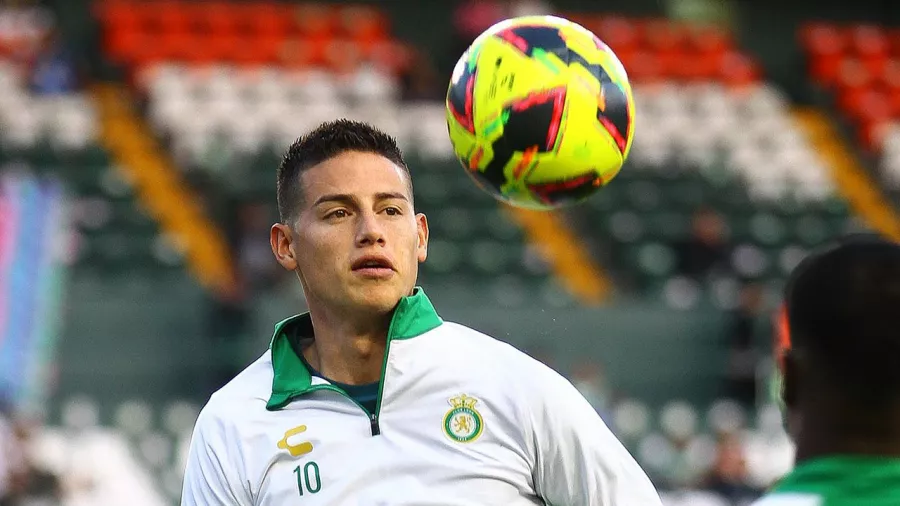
[
  {"x": 373, "y": 417},
  {"x": 376, "y": 428}
]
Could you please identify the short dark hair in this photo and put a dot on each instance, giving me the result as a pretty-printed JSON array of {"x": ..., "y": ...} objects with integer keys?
[
  {"x": 843, "y": 312},
  {"x": 327, "y": 141}
]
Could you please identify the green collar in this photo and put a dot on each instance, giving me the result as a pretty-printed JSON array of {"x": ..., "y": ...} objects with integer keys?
[
  {"x": 414, "y": 316},
  {"x": 839, "y": 476},
  {"x": 833, "y": 467}
]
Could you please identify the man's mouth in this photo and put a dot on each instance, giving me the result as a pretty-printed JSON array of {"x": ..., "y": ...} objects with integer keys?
[{"x": 373, "y": 266}]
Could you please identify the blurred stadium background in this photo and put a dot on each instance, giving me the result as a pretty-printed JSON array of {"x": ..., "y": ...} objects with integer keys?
[{"x": 138, "y": 144}]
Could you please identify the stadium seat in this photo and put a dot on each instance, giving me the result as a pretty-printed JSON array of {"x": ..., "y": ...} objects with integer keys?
[
  {"x": 134, "y": 418},
  {"x": 155, "y": 449},
  {"x": 80, "y": 413},
  {"x": 678, "y": 420},
  {"x": 657, "y": 455},
  {"x": 726, "y": 417},
  {"x": 631, "y": 419}
]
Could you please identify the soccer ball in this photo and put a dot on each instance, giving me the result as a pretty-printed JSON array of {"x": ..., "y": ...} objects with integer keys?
[{"x": 540, "y": 112}]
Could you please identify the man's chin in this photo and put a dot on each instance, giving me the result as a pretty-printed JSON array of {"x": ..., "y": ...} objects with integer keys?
[{"x": 380, "y": 298}]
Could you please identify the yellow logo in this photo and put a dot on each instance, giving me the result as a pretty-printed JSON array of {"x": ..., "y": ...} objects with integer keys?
[
  {"x": 295, "y": 450},
  {"x": 463, "y": 423}
]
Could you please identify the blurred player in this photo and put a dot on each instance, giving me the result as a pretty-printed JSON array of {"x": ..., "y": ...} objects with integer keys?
[
  {"x": 842, "y": 377},
  {"x": 370, "y": 398}
]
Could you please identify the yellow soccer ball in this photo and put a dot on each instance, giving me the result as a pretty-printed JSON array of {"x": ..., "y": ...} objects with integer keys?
[{"x": 540, "y": 112}]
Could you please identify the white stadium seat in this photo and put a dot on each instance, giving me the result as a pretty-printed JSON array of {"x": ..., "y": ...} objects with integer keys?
[
  {"x": 427, "y": 130},
  {"x": 371, "y": 85},
  {"x": 631, "y": 419},
  {"x": 763, "y": 145},
  {"x": 313, "y": 86},
  {"x": 68, "y": 121},
  {"x": 726, "y": 416},
  {"x": 23, "y": 124},
  {"x": 890, "y": 153},
  {"x": 678, "y": 420}
]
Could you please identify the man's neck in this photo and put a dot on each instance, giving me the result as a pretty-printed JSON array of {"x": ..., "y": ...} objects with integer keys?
[
  {"x": 823, "y": 435},
  {"x": 348, "y": 351}
]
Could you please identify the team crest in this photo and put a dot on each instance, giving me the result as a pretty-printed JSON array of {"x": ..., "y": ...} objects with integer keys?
[{"x": 463, "y": 423}]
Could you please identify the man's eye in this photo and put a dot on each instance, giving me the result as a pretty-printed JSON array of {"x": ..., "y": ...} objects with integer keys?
[
  {"x": 392, "y": 211},
  {"x": 339, "y": 213}
]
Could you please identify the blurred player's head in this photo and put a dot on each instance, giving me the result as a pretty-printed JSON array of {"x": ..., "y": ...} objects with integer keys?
[
  {"x": 842, "y": 371},
  {"x": 348, "y": 227}
]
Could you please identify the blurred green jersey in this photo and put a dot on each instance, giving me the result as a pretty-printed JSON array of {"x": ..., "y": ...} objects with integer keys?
[{"x": 839, "y": 481}]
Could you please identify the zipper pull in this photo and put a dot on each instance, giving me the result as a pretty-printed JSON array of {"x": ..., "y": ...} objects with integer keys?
[{"x": 373, "y": 418}]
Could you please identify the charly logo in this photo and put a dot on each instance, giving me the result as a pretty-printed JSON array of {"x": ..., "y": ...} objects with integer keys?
[
  {"x": 463, "y": 423},
  {"x": 296, "y": 450}
]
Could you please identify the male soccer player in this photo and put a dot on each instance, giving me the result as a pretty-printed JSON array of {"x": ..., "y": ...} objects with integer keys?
[
  {"x": 841, "y": 377},
  {"x": 370, "y": 398}
]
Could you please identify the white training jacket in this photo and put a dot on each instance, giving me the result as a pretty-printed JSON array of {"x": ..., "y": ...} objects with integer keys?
[{"x": 462, "y": 419}]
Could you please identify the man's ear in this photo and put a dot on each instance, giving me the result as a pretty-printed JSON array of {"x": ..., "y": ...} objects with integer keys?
[
  {"x": 422, "y": 229},
  {"x": 281, "y": 238},
  {"x": 790, "y": 380}
]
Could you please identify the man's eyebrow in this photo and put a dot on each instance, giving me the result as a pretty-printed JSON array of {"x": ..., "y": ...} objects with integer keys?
[
  {"x": 335, "y": 197},
  {"x": 390, "y": 195},
  {"x": 349, "y": 199}
]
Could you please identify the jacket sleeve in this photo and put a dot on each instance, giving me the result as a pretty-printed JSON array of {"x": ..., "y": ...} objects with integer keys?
[
  {"x": 578, "y": 461},
  {"x": 210, "y": 477}
]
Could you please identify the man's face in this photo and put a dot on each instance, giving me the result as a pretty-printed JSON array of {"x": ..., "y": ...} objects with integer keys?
[{"x": 356, "y": 242}]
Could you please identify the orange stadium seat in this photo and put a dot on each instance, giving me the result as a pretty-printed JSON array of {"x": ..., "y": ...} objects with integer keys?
[
  {"x": 738, "y": 70},
  {"x": 263, "y": 51},
  {"x": 890, "y": 74},
  {"x": 893, "y": 38},
  {"x": 390, "y": 55},
  {"x": 850, "y": 100},
  {"x": 299, "y": 52},
  {"x": 658, "y": 49},
  {"x": 710, "y": 41},
  {"x": 314, "y": 20},
  {"x": 620, "y": 34},
  {"x": 222, "y": 46},
  {"x": 121, "y": 44},
  {"x": 663, "y": 35},
  {"x": 364, "y": 24},
  {"x": 825, "y": 44},
  {"x": 216, "y": 18},
  {"x": 670, "y": 62},
  {"x": 136, "y": 47},
  {"x": 171, "y": 17},
  {"x": 177, "y": 46},
  {"x": 868, "y": 42},
  {"x": 893, "y": 93},
  {"x": 266, "y": 19},
  {"x": 853, "y": 74},
  {"x": 822, "y": 39},
  {"x": 342, "y": 55},
  {"x": 119, "y": 15},
  {"x": 644, "y": 66},
  {"x": 294, "y": 36},
  {"x": 699, "y": 67},
  {"x": 267, "y": 49},
  {"x": 825, "y": 70}
]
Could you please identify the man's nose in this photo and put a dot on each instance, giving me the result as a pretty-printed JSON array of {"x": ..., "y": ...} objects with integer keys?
[{"x": 370, "y": 230}]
